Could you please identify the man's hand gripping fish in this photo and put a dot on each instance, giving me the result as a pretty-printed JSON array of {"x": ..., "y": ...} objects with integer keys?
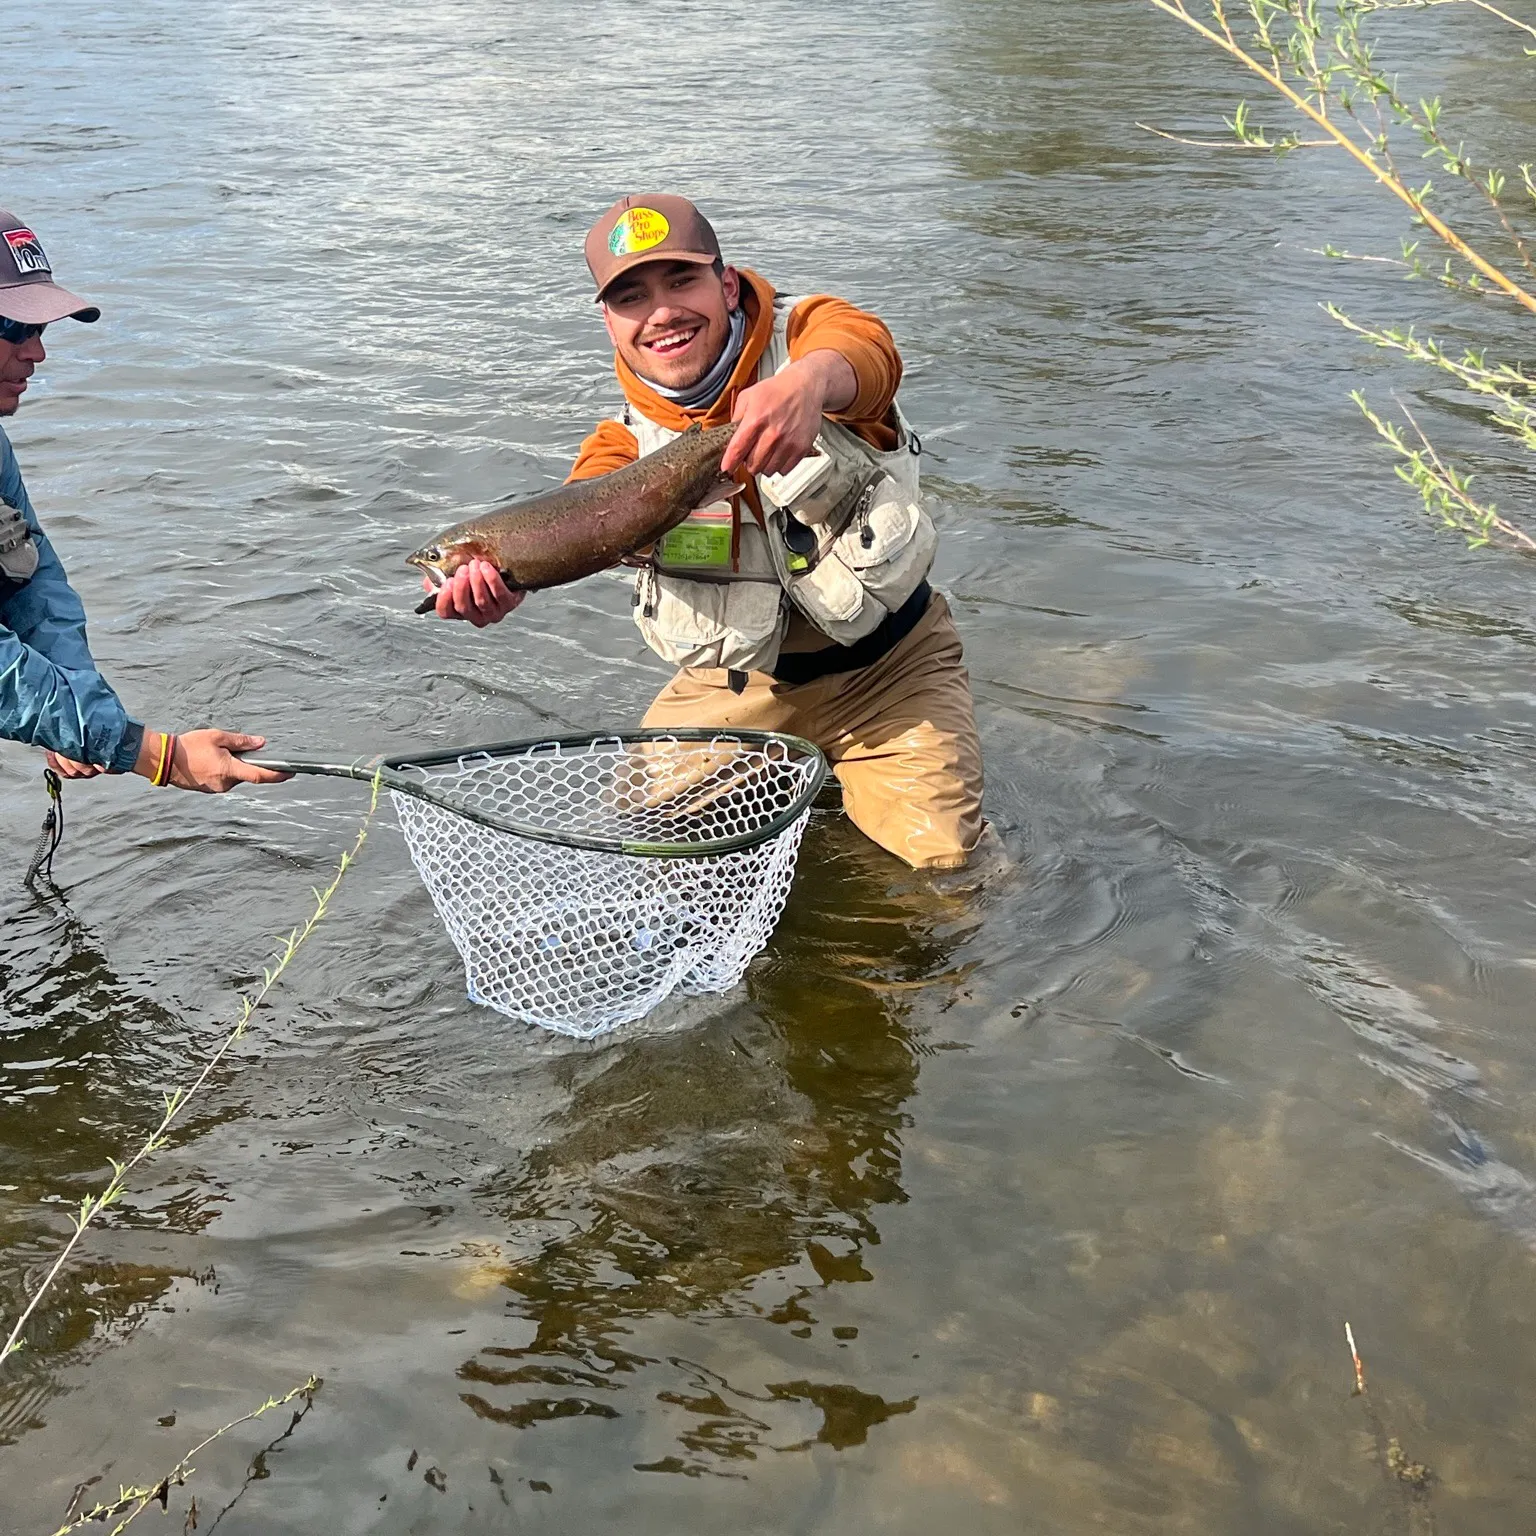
[{"x": 588, "y": 525}]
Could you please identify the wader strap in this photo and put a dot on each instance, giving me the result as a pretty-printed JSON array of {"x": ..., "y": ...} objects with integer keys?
[{"x": 798, "y": 667}]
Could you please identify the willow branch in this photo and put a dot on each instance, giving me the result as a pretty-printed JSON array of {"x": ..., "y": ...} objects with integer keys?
[
  {"x": 1448, "y": 484},
  {"x": 1424, "y": 5},
  {"x": 1229, "y": 45},
  {"x": 1493, "y": 10}
]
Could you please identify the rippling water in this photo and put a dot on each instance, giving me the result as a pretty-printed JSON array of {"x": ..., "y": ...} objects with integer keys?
[{"x": 1039, "y": 1206}]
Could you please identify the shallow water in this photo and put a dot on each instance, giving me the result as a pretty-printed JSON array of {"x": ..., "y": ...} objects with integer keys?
[{"x": 1036, "y": 1206}]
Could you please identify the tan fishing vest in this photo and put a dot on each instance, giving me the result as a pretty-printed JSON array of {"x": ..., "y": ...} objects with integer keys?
[{"x": 846, "y": 541}]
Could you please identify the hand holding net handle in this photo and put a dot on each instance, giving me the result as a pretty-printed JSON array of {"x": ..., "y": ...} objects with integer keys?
[{"x": 362, "y": 768}]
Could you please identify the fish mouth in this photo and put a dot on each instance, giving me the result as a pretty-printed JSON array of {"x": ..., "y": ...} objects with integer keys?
[{"x": 429, "y": 561}]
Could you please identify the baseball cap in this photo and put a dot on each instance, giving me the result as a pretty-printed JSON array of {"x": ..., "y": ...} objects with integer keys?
[
  {"x": 654, "y": 227},
  {"x": 27, "y": 290}
]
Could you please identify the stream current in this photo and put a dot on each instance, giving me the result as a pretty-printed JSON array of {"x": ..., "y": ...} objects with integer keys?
[{"x": 1039, "y": 1206}]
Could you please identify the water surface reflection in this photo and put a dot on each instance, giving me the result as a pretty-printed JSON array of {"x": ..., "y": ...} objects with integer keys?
[{"x": 736, "y": 1171}]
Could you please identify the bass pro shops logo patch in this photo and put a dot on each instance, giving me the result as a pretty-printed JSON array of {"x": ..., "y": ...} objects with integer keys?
[
  {"x": 638, "y": 230},
  {"x": 27, "y": 252}
]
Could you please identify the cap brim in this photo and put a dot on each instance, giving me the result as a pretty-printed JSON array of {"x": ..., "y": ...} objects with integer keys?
[
  {"x": 639, "y": 259},
  {"x": 43, "y": 303}
]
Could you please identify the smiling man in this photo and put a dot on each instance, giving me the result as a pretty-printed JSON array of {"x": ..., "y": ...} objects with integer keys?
[
  {"x": 802, "y": 604},
  {"x": 51, "y": 693}
]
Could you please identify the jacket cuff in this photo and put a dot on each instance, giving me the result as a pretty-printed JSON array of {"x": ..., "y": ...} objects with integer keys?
[{"x": 128, "y": 752}]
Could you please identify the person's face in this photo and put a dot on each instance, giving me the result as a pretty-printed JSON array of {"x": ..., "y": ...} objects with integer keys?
[
  {"x": 669, "y": 320},
  {"x": 17, "y": 360}
]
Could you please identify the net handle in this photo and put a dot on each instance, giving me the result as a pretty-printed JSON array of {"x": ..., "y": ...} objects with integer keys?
[{"x": 390, "y": 770}]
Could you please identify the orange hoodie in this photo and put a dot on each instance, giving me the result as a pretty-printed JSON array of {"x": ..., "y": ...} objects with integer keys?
[{"x": 814, "y": 324}]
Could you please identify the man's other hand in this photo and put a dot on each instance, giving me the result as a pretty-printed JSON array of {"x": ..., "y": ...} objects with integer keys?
[
  {"x": 778, "y": 419},
  {"x": 475, "y": 592},
  {"x": 205, "y": 761},
  {"x": 68, "y": 768}
]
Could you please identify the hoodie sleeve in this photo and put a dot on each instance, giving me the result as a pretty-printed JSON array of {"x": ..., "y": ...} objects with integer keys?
[
  {"x": 51, "y": 694},
  {"x": 610, "y": 447},
  {"x": 824, "y": 323}
]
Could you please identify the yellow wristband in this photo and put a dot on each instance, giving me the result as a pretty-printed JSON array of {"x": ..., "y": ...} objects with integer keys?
[{"x": 167, "y": 755}]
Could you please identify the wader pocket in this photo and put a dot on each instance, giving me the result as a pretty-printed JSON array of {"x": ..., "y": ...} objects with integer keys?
[{"x": 737, "y": 625}]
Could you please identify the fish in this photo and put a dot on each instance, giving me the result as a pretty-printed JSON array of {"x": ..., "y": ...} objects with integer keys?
[{"x": 586, "y": 526}]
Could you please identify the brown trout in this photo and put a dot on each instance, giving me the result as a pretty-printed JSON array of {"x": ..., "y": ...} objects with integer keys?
[{"x": 589, "y": 525}]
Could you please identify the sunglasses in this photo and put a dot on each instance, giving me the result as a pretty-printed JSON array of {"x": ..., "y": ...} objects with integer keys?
[{"x": 18, "y": 331}]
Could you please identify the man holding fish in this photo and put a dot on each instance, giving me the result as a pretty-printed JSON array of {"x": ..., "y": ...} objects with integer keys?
[
  {"x": 51, "y": 693},
  {"x": 801, "y": 602}
]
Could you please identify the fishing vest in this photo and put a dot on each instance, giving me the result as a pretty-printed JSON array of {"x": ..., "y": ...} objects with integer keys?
[{"x": 844, "y": 538}]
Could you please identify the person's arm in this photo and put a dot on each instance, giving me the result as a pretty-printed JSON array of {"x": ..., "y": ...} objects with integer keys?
[
  {"x": 863, "y": 341},
  {"x": 81, "y": 723},
  {"x": 202, "y": 760},
  {"x": 476, "y": 591},
  {"x": 72, "y": 713},
  {"x": 53, "y": 696},
  {"x": 843, "y": 364}
]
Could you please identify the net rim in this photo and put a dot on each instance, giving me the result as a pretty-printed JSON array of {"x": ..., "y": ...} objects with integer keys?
[{"x": 393, "y": 771}]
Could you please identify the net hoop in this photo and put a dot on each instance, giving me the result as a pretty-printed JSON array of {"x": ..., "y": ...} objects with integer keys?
[{"x": 406, "y": 774}]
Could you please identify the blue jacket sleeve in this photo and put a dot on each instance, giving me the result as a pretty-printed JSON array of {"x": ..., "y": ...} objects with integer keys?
[{"x": 51, "y": 694}]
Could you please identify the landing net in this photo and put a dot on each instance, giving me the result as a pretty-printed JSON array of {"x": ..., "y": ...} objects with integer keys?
[{"x": 644, "y": 865}]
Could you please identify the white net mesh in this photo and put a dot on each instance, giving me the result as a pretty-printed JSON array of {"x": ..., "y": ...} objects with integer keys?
[{"x": 582, "y": 940}]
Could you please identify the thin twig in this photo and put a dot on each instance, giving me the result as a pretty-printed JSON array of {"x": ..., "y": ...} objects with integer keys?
[
  {"x": 1232, "y": 143},
  {"x": 258, "y": 1464},
  {"x": 176, "y": 1102},
  {"x": 1493, "y": 10},
  {"x": 1424, "y": 5},
  {"x": 1511, "y": 387},
  {"x": 1354, "y": 1355},
  {"x": 137, "y": 1500},
  {"x": 1449, "y": 486},
  {"x": 1336, "y": 255}
]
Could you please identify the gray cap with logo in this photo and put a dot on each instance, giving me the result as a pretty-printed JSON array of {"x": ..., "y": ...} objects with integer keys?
[{"x": 27, "y": 290}]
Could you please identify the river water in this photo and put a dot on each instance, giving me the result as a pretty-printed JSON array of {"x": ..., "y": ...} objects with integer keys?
[{"x": 1039, "y": 1206}]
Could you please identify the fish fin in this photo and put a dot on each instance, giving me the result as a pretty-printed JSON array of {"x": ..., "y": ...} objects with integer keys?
[
  {"x": 426, "y": 605},
  {"x": 722, "y": 490}
]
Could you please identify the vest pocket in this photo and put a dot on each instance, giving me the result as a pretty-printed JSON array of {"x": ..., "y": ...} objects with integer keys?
[
  {"x": 871, "y": 568},
  {"x": 831, "y": 597},
  {"x": 733, "y": 624},
  {"x": 890, "y": 547}
]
